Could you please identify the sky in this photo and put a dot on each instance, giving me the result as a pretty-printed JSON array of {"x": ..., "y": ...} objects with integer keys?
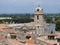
[{"x": 28, "y": 6}]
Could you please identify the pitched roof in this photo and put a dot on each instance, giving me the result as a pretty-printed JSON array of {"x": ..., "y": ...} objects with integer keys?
[
  {"x": 14, "y": 42},
  {"x": 1, "y": 37},
  {"x": 58, "y": 35},
  {"x": 3, "y": 26},
  {"x": 51, "y": 34},
  {"x": 7, "y": 30},
  {"x": 30, "y": 41},
  {"x": 46, "y": 40}
]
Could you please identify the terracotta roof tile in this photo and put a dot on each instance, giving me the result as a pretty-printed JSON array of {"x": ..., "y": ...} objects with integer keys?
[
  {"x": 1, "y": 37},
  {"x": 58, "y": 35},
  {"x": 31, "y": 41},
  {"x": 14, "y": 42},
  {"x": 3, "y": 26},
  {"x": 1, "y": 30},
  {"x": 46, "y": 40},
  {"x": 29, "y": 34},
  {"x": 7, "y": 30},
  {"x": 51, "y": 34},
  {"x": 30, "y": 44}
]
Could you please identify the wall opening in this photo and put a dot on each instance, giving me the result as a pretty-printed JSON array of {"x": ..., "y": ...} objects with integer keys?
[{"x": 37, "y": 17}]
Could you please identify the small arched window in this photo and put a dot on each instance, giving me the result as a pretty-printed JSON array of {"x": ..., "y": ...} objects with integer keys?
[
  {"x": 37, "y": 9},
  {"x": 38, "y": 26},
  {"x": 38, "y": 17}
]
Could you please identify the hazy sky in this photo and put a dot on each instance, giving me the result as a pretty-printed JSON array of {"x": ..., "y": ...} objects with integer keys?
[{"x": 27, "y": 6}]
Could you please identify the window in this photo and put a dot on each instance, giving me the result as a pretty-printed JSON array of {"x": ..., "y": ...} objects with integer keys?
[
  {"x": 13, "y": 37},
  {"x": 38, "y": 26},
  {"x": 38, "y": 17},
  {"x": 55, "y": 44},
  {"x": 58, "y": 40},
  {"x": 51, "y": 37},
  {"x": 37, "y": 9},
  {"x": 28, "y": 37}
]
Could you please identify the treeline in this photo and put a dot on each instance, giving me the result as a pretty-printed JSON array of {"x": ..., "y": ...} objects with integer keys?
[
  {"x": 53, "y": 18},
  {"x": 14, "y": 15},
  {"x": 25, "y": 18},
  {"x": 49, "y": 18},
  {"x": 16, "y": 18}
]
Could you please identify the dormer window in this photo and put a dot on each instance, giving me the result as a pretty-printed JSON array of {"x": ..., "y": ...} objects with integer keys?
[{"x": 51, "y": 36}]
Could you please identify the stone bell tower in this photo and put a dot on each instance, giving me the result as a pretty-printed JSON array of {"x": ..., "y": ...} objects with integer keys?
[
  {"x": 38, "y": 15},
  {"x": 39, "y": 21}
]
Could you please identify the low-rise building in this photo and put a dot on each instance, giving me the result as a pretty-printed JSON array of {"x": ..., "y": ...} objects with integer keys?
[{"x": 51, "y": 39}]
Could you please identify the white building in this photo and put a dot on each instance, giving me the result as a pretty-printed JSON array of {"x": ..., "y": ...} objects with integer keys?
[{"x": 5, "y": 18}]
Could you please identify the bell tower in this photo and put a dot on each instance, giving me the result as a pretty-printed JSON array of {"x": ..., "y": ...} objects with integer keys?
[
  {"x": 39, "y": 21},
  {"x": 38, "y": 15}
]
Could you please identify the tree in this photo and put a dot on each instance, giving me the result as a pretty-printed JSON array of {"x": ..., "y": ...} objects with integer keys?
[
  {"x": 48, "y": 19},
  {"x": 58, "y": 25}
]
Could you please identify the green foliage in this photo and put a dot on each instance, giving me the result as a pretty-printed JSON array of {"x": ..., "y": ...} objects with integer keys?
[
  {"x": 49, "y": 20},
  {"x": 17, "y": 18},
  {"x": 22, "y": 20},
  {"x": 58, "y": 25}
]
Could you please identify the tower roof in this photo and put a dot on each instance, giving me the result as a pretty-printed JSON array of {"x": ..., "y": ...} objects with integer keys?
[{"x": 38, "y": 8}]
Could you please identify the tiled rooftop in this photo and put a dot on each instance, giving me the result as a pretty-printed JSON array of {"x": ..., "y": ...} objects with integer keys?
[
  {"x": 52, "y": 34},
  {"x": 17, "y": 42},
  {"x": 1, "y": 37},
  {"x": 7, "y": 30},
  {"x": 3, "y": 26},
  {"x": 58, "y": 35},
  {"x": 46, "y": 40},
  {"x": 31, "y": 41}
]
